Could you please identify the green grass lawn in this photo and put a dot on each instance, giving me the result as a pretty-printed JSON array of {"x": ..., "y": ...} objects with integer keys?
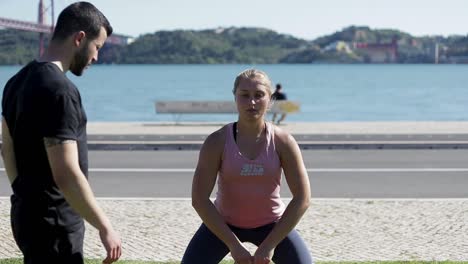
[{"x": 19, "y": 261}]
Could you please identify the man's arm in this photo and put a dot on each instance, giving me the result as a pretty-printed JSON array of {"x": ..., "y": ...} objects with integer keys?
[
  {"x": 8, "y": 153},
  {"x": 63, "y": 159}
]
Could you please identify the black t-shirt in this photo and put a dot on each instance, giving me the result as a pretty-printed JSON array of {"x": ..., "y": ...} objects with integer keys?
[
  {"x": 40, "y": 101},
  {"x": 278, "y": 96}
]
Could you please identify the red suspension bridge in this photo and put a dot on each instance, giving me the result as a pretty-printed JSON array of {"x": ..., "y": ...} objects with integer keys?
[{"x": 42, "y": 28}]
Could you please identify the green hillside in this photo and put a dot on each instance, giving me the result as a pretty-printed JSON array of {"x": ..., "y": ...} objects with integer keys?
[
  {"x": 18, "y": 47},
  {"x": 253, "y": 46},
  {"x": 231, "y": 45}
]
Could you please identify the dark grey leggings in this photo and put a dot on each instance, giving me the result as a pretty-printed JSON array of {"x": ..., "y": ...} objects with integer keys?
[{"x": 206, "y": 248}]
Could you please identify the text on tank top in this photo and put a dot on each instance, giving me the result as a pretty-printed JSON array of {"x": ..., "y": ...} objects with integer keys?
[{"x": 249, "y": 189}]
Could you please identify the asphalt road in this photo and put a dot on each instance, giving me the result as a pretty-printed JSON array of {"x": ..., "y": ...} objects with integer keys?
[{"x": 388, "y": 173}]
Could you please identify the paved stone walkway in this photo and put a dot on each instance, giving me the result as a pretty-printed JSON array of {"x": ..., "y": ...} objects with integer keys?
[{"x": 335, "y": 230}]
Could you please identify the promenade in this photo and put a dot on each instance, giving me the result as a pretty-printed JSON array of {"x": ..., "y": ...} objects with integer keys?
[
  {"x": 334, "y": 229},
  {"x": 326, "y": 135}
]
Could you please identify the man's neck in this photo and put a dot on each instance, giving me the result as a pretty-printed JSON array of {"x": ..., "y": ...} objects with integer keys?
[{"x": 57, "y": 54}]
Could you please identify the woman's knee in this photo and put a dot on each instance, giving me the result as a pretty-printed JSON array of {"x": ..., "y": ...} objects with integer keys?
[
  {"x": 205, "y": 247},
  {"x": 292, "y": 250}
]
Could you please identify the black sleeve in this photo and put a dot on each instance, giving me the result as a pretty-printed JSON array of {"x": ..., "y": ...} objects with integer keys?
[{"x": 61, "y": 117}]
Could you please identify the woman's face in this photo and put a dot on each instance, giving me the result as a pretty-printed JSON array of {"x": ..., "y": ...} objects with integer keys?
[{"x": 252, "y": 98}]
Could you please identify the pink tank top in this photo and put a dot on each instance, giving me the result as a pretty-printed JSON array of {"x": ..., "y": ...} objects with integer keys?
[{"x": 249, "y": 190}]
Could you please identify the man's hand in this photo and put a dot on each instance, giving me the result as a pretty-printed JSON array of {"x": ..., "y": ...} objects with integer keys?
[{"x": 112, "y": 244}]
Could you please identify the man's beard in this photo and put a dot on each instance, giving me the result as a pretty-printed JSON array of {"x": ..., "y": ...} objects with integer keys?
[{"x": 80, "y": 61}]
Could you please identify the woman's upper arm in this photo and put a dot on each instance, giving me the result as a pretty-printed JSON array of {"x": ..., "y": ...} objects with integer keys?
[
  {"x": 209, "y": 162},
  {"x": 293, "y": 164}
]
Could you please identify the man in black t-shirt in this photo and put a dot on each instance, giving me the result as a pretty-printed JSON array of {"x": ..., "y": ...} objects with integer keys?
[
  {"x": 45, "y": 146},
  {"x": 278, "y": 95}
]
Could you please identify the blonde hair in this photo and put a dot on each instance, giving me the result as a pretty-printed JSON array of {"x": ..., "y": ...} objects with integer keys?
[{"x": 251, "y": 74}]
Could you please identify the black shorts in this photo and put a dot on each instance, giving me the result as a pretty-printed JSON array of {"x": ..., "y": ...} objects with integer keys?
[{"x": 41, "y": 241}]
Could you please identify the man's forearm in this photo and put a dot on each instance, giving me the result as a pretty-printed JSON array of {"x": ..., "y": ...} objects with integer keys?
[
  {"x": 64, "y": 163},
  {"x": 79, "y": 195},
  {"x": 8, "y": 153},
  {"x": 9, "y": 162}
]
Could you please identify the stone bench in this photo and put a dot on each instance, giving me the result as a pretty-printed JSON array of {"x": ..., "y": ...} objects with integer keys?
[{"x": 177, "y": 108}]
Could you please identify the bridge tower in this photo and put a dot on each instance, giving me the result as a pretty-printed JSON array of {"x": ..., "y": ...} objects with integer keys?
[{"x": 42, "y": 21}]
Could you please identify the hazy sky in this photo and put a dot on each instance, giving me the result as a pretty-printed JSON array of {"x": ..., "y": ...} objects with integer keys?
[{"x": 306, "y": 19}]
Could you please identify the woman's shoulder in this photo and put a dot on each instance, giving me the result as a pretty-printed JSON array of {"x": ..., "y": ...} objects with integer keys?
[
  {"x": 217, "y": 138},
  {"x": 282, "y": 137}
]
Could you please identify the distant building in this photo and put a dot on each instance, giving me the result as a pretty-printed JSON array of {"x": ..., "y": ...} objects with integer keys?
[
  {"x": 457, "y": 59},
  {"x": 120, "y": 40},
  {"x": 339, "y": 46},
  {"x": 436, "y": 53},
  {"x": 378, "y": 52},
  {"x": 219, "y": 30}
]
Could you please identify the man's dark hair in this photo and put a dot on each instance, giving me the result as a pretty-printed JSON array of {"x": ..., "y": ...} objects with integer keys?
[
  {"x": 278, "y": 86},
  {"x": 81, "y": 16}
]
